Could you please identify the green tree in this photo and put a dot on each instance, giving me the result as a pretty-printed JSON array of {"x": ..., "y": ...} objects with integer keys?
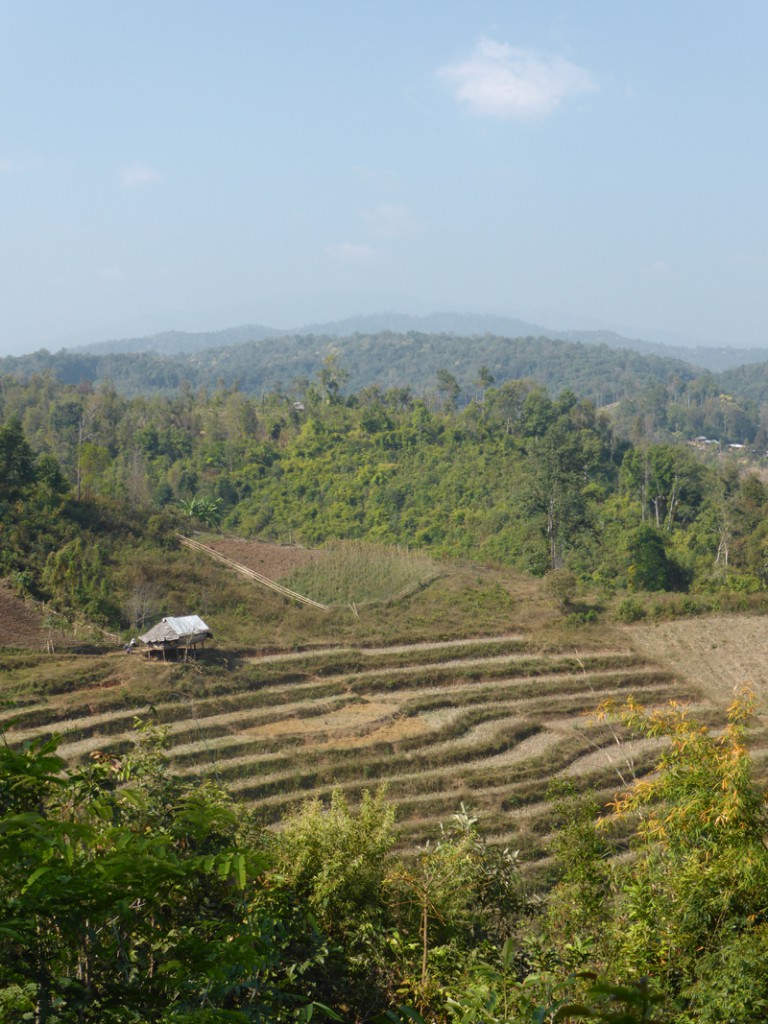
[
  {"x": 334, "y": 860},
  {"x": 449, "y": 388},
  {"x": 336, "y": 857},
  {"x": 457, "y": 893},
  {"x": 17, "y": 461},
  {"x": 695, "y": 892},
  {"x": 333, "y": 377},
  {"x": 127, "y": 896},
  {"x": 649, "y": 567}
]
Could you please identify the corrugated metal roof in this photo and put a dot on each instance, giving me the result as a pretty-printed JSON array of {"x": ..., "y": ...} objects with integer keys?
[
  {"x": 185, "y": 625},
  {"x": 174, "y": 628}
]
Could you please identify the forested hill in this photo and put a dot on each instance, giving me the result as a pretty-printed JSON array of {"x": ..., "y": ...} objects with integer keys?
[
  {"x": 169, "y": 343},
  {"x": 415, "y": 360},
  {"x": 751, "y": 382},
  {"x": 465, "y": 325},
  {"x": 384, "y": 359}
]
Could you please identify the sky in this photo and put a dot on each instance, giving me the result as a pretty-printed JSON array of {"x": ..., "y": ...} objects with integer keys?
[{"x": 193, "y": 164}]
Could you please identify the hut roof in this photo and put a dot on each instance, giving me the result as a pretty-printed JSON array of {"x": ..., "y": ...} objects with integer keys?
[{"x": 177, "y": 629}]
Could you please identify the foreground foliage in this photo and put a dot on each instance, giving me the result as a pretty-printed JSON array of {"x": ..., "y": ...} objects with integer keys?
[{"x": 127, "y": 895}]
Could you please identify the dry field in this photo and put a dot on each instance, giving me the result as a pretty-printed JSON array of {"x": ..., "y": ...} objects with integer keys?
[
  {"x": 488, "y": 721},
  {"x": 274, "y": 561},
  {"x": 23, "y": 624},
  {"x": 442, "y": 715},
  {"x": 719, "y": 653}
]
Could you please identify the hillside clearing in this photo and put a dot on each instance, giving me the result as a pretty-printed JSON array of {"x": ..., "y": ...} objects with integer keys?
[
  {"x": 720, "y": 653},
  {"x": 472, "y": 691}
]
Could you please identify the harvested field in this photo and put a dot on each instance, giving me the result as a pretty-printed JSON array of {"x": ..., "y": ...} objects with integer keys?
[
  {"x": 720, "y": 653},
  {"x": 485, "y": 720},
  {"x": 274, "y": 561},
  {"x": 409, "y": 698}
]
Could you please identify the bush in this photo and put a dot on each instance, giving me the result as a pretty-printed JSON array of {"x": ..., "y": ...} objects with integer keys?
[{"x": 630, "y": 610}]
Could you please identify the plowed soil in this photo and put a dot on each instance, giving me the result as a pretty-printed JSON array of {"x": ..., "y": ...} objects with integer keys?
[
  {"x": 275, "y": 561},
  {"x": 23, "y": 625}
]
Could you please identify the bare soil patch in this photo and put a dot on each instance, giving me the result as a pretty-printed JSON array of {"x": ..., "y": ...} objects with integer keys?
[
  {"x": 274, "y": 561},
  {"x": 23, "y": 624}
]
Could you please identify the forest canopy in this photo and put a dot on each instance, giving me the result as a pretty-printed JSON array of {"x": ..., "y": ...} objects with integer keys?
[{"x": 515, "y": 477}]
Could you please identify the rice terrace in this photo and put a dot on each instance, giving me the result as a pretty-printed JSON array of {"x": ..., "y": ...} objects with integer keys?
[{"x": 473, "y": 689}]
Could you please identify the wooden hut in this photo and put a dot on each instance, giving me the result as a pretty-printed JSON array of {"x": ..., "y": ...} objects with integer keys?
[{"x": 175, "y": 634}]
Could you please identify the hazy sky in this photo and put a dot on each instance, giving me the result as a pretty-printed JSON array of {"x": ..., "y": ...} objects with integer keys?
[{"x": 279, "y": 161}]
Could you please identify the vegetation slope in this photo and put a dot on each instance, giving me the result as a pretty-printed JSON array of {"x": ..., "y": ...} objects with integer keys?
[{"x": 136, "y": 888}]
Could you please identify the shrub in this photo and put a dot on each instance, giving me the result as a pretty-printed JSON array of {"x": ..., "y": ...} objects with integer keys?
[{"x": 630, "y": 610}]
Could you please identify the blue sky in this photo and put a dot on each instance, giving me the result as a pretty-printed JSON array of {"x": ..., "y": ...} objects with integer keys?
[{"x": 191, "y": 164}]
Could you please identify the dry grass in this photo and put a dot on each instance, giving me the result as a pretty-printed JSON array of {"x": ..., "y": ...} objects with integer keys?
[
  {"x": 271, "y": 560},
  {"x": 719, "y": 653},
  {"x": 355, "y": 572},
  {"x": 24, "y": 624},
  {"x": 472, "y": 690}
]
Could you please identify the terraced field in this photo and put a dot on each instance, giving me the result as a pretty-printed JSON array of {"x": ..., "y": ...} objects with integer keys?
[
  {"x": 291, "y": 702},
  {"x": 487, "y": 721}
]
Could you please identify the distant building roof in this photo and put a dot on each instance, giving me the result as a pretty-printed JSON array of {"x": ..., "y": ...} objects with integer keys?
[{"x": 182, "y": 629}]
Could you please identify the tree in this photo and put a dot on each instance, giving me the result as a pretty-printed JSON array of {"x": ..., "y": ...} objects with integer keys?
[
  {"x": 667, "y": 482},
  {"x": 207, "y": 510},
  {"x": 694, "y": 897},
  {"x": 449, "y": 388},
  {"x": 649, "y": 567},
  {"x": 333, "y": 377},
  {"x": 17, "y": 461},
  {"x": 560, "y": 464},
  {"x": 336, "y": 858},
  {"x": 460, "y": 891},
  {"x": 126, "y": 895},
  {"x": 484, "y": 380},
  {"x": 333, "y": 860}
]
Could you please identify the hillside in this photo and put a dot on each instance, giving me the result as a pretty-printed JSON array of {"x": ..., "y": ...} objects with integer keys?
[
  {"x": 384, "y": 360},
  {"x": 467, "y": 325},
  {"x": 750, "y": 381},
  {"x": 471, "y": 691},
  {"x": 24, "y": 624},
  {"x": 471, "y": 702}
]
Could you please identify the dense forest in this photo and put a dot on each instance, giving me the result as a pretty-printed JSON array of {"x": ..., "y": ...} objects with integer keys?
[
  {"x": 667, "y": 398},
  {"x": 514, "y": 477}
]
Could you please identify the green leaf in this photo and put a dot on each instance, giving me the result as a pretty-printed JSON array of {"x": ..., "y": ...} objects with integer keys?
[
  {"x": 327, "y": 1011},
  {"x": 238, "y": 864},
  {"x": 574, "y": 1010},
  {"x": 34, "y": 877}
]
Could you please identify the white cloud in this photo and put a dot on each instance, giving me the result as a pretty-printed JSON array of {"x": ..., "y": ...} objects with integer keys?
[
  {"x": 389, "y": 221},
  {"x": 350, "y": 252},
  {"x": 502, "y": 81},
  {"x": 138, "y": 174}
]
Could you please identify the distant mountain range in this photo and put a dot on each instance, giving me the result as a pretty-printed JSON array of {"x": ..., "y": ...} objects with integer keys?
[
  {"x": 410, "y": 354},
  {"x": 469, "y": 325}
]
